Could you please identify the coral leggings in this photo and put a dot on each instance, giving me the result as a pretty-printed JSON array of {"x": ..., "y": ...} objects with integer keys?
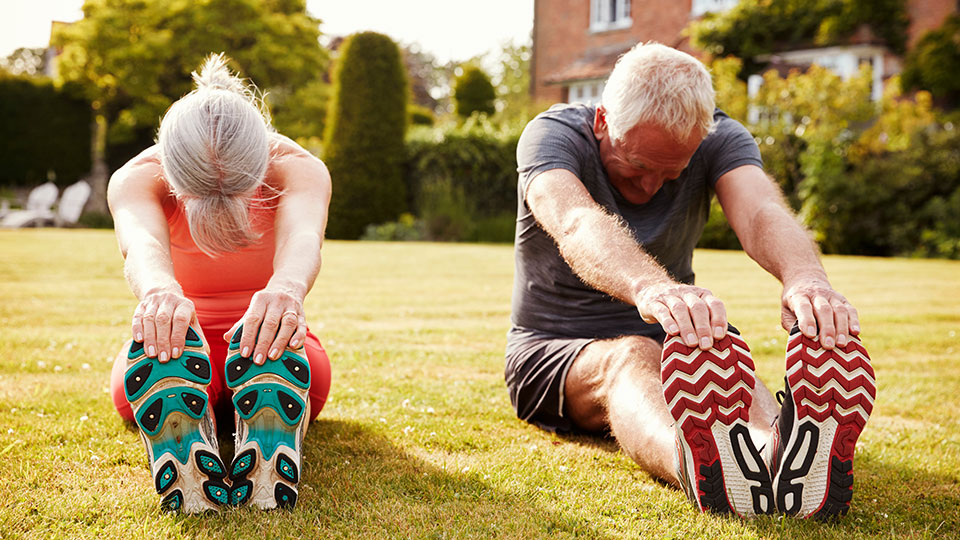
[{"x": 217, "y": 391}]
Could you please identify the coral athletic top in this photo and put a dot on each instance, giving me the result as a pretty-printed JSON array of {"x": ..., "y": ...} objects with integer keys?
[{"x": 221, "y": 287}]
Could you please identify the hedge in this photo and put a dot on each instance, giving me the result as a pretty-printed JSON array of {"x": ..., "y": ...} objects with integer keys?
[
  {"x": 45, "y": 131},
  {"x": 462, "y": 181}
]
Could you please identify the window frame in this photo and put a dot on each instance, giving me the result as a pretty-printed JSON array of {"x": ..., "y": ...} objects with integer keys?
[{"x": 602, "y": 20}]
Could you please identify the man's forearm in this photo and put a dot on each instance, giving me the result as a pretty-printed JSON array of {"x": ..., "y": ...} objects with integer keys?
[
  {"x": 603, "y": 253},
  {"x": 777, "y": 241}
]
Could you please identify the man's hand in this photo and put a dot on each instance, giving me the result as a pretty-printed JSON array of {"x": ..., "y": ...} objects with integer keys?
[
  {"x": 273, "y": 320},
  {"x": 812, "y": 303},
  {"x": 691, "y": 312},
  {"x": 160, "y": 322}
]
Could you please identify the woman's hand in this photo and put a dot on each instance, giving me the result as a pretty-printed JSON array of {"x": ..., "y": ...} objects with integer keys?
[
  {"x": 160, "y": 322},
  {"x": 274, "y": 320}
]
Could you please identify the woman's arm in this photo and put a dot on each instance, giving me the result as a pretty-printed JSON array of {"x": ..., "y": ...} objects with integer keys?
[
  {"x": 300, "y": 222},
  {"x": 135, "y": 195}
]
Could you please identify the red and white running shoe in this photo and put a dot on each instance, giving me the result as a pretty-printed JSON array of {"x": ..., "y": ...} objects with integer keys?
[
  {"x": 709, "y": 393},
  {"x": 828, "y": 399}
]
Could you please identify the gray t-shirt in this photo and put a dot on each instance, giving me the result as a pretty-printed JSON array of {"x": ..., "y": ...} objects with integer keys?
[{"x": 547, "y": 296}]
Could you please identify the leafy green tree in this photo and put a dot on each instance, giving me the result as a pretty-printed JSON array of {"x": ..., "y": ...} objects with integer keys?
[
  {"x": 424, "y": 75},
  {"x": 934, "y": 63},
  {"x": 135, "y": 58},
  {"x": 512, "y": 83},
  {"x": 756, "y": 27},
  {"x": 300, "y": 113},
  {"x": 363, "y": 140},
  {"x": 473, "y": 92},
  {"x": 25, "y": 61}
]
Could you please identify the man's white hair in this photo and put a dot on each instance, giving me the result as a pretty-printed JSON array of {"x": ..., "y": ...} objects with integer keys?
[
  {"x": 214, "y": 148},
  {"x": 660, "y": 85}
]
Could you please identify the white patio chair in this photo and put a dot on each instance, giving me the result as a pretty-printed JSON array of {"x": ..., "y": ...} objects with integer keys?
[
  {"x": 72, "y": 201},
  {"x": 39, "y": 210}
]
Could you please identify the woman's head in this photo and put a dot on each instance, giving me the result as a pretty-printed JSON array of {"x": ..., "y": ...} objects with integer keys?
[{"x": 214, "y": 148}]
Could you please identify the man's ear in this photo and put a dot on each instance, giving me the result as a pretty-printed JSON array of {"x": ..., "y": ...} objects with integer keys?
[{"x": 600, "y": 123}]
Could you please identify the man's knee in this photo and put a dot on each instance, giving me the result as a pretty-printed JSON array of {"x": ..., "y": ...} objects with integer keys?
[
  {"x": 629, "y": 356},
  {"x": 599, "y": 366}
]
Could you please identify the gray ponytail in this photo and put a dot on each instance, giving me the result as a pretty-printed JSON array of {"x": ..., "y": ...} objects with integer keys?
[{"x": 214, "y": 149}]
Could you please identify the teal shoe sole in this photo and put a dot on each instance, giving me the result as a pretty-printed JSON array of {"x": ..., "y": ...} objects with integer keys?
[
  {"x": 170, "y": 406},
  {"x": 272, "y": 409}
]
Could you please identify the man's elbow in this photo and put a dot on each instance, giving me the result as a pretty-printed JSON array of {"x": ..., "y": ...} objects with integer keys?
[{"x": 574, "y": 222}]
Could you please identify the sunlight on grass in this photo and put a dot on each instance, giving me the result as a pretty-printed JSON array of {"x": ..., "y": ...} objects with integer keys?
[{"x": 418, "y": 439}]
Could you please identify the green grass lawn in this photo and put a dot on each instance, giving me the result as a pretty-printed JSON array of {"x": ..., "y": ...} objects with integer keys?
[{"x": 418, "y": 439}]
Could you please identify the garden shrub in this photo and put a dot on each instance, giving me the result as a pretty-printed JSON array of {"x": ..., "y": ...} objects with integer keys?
[
  {"x": 473, "y": 93},
  {"x": 867, "y": 178},
  {"x": 45, "y": 131},
  {"x": 419, "y": 115},
  {"x": 406, "y": 228},
  {"x": 364, "y": 135},
  {"x": 934, "y": 63},
  {"x": 462, "y": 180}
]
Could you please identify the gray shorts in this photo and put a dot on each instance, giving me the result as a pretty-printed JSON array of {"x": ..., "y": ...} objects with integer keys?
[{"x": 536, "y": 372}]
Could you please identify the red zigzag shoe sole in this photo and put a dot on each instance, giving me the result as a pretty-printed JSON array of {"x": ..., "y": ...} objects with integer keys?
[
  {"x": 833, "y": 394},
  {"x": 709, "y": 394}
]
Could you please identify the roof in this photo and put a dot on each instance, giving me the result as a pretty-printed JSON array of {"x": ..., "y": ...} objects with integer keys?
[{"x": 592, "y": 65}]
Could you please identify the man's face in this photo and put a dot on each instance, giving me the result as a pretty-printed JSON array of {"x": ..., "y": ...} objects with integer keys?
[{"x": 645, "y": 158}]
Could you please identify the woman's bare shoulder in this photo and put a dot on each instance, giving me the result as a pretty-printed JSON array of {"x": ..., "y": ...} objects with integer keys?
[
  {"x": 282, "y": 146},
  {"x": 290, "y": 162},
  {"x": 141, "y": 173}
]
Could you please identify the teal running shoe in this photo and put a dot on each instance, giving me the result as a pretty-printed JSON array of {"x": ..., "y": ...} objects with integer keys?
[
  {"x": 170, "y": 406},
  {"x": 272, "y": 411}
]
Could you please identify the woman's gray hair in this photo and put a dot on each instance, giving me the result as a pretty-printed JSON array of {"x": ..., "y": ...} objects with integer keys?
[
  {"x": 660, "y": 85},
  {"x": 214, "y": 148}
]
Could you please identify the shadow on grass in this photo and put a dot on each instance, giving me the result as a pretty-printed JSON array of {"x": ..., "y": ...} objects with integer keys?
[
  {"x": 357, "y": 483},
  {"x": 889, "y": 499}
]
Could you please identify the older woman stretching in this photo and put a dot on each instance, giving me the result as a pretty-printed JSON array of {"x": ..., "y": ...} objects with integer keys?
[{"x": 220, "y": 224}]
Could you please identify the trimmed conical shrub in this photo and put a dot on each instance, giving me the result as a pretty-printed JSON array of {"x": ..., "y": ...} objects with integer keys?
[{"x": 363, "y": 139}]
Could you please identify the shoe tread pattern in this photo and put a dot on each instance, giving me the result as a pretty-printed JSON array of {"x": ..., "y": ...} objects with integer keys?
[
  {"x": 169, "y": 403},
  {"x": 272, "y": 394},
  {"x": 826, "y": 386},
  {"x": 707, "y": 388}
]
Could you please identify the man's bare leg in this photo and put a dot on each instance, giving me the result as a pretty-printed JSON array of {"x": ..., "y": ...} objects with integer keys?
[{"x": 616, "y": 383}]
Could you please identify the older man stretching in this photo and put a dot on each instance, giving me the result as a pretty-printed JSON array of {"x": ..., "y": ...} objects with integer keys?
[{"x": 609, "y": 332}]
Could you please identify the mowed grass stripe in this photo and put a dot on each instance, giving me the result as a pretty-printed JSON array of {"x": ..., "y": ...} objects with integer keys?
[{"x": 418, "y": 439}]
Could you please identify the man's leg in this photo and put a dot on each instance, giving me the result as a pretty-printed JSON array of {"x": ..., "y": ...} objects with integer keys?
[{"x": 616, "y": 383}]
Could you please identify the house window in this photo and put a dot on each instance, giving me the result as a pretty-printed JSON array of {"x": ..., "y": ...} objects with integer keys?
[
  {"x": 609, "y": 15},
  {"x": 699, "y": 7},
  {"x": 588, "y": 92}
]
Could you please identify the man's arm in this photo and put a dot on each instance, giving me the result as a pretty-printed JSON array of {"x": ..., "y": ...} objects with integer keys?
[
  {"x": 163, "y": 313},
  {"x": 771, "y": 235},
  {"x": 605, "y": 255},
  {"x": 299, "y": 226}
]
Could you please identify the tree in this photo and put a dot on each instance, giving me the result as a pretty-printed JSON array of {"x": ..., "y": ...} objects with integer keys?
[
  {"x": 364, "y": 135},
  {"x": 512, "y": 82},
  {"x": 424, "y": 75},
  {"x": 25, "y": 61},
  {"x": 934, "y": 63},
  {"x": 135, "y": 58},
  {"x": 759, "y": 27},
  {"x": 473, "y": 92}
]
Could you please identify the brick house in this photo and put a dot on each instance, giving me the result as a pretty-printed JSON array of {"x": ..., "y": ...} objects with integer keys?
[{"x": 577, "y": 42}]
